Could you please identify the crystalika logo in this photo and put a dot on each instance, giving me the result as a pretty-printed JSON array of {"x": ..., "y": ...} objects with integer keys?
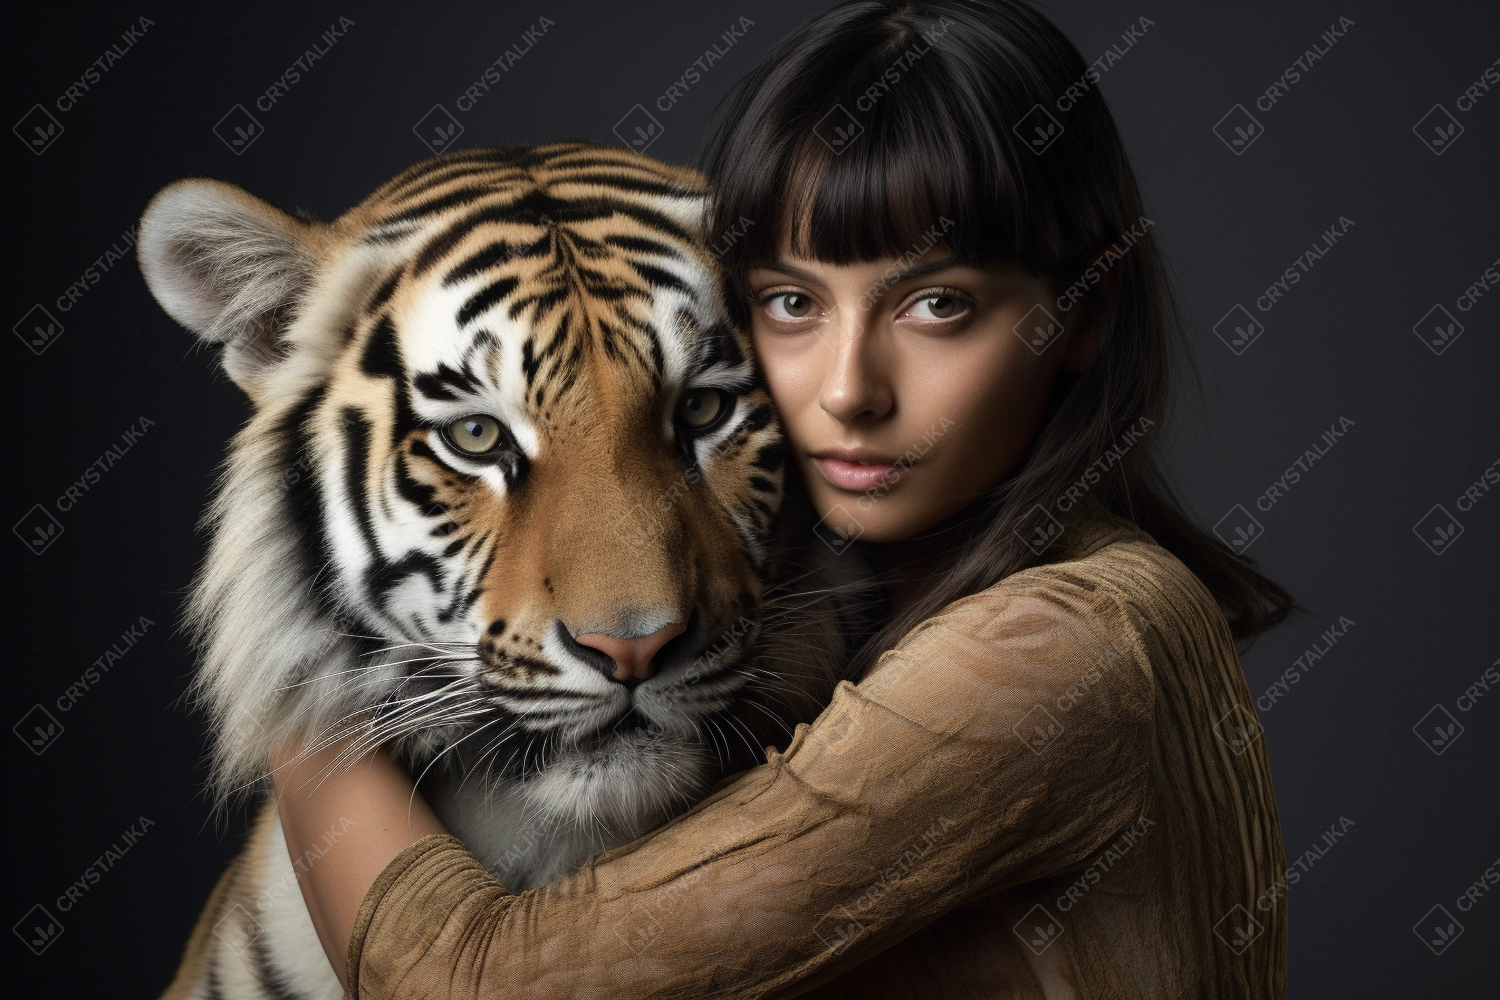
[
  {"x": 38, "y": 529},
  {"x": 638, "y": 129},
  {"x": 1238, "y": 929},
  {"x": 38, "y": 130},
  {"x": 1438, "y": 130},
  {"x": 838, "y": 529},
  {"x": 1438, "y": 329},
  {"x": 1238, "y": 529},
  {"x": 1438, "y": 729},
  {"x": 38, "y": 929},
  {"x": 1038, "y": 329},
  {"x": 238, "y": 129},
  {"x": 1238, "y": 729},
  {"x": 1038, "y": 529},
  {"x": 1039, "y": 129},
  {"x": 438, "y": 129},
  {"x": 1238, "y": 329},
  {"x": 1438, "y": 529},
  {"x": 837, "y": 129},
  {"x": 1438, "y": 929},
  {"x": 38, "y": 329},
  {"x": 1238, "y": 129},
  {"x": 38, "y": 729},
  {"x": 1038, "y": 929}
]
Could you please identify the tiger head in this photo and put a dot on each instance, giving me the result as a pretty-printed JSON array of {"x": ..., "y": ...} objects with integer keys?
[{"x": 510, "y": 470}]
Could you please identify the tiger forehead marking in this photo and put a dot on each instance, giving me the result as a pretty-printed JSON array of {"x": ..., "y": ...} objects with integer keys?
[{"x": 550, "y": 259}]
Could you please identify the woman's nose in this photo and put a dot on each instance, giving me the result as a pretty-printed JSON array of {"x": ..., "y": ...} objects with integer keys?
[{"x": 856, "y": 383}]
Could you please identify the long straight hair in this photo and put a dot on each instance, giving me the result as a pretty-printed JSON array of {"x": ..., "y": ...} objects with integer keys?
[{"x": 877, "y": 125}]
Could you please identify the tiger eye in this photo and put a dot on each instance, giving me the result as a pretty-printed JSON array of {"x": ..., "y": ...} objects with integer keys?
[
  {"x": 475, "y": 434},
  {"x": 700, "y": 408}
]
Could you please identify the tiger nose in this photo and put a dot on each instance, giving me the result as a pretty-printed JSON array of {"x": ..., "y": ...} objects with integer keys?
[{"x": 632, "y": 657}]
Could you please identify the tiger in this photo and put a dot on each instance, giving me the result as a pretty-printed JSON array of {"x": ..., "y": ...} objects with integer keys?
[{"x": 505, "y": 500}]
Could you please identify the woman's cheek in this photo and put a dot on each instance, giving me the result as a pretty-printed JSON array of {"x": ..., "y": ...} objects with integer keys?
[
  {"x": 794, "y": 380},
  {"x": 775, "y": 369},
  {"x": 994, "y": 400}
]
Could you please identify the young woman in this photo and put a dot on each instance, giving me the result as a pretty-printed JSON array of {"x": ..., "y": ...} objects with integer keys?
[{"x": 1047, "y": 781}]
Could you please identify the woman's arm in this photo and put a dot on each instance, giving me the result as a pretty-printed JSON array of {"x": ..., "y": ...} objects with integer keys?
[
  {"x": 930, "y": 784},
  {"x": 387, "y": 816}
]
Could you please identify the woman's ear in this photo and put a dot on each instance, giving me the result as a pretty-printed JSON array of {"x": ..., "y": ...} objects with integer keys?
[
  {"x": 229, "y": 267},
  {"x": 1085, "y": 340}
]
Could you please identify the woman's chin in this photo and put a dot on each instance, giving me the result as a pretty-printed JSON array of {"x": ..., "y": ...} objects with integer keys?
[{"x": 856, "y": 517}]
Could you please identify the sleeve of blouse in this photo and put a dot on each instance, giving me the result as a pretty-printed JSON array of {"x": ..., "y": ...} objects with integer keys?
[{"x": 1005, "y": 740}]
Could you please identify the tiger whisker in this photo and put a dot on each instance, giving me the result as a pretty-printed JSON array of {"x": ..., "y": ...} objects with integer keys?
[
  {"x": 490, "y": 748},
  {"x": 439, "y": 756},
  {"x": 352, "y": 753},
  {"x": 365, "y": 669}
]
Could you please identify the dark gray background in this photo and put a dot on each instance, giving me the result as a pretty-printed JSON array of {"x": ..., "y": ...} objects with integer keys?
[{"x": 1341, "y": 344}]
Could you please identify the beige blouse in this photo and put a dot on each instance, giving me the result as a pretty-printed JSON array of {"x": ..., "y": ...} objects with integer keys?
[{"x": 1055, "y": 788}]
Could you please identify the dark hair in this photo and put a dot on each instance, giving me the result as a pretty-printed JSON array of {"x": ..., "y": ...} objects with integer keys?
[{"x": 876, "y": 125}]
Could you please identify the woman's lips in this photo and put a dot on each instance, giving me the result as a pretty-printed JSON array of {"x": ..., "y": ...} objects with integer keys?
[{"x": 854, "y": 476}]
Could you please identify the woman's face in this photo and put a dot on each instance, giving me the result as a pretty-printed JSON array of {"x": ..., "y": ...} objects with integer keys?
[{"x": 907, "y": 388}]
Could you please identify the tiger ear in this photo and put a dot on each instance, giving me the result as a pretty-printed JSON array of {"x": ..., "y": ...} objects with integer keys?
[{"x": 229, "y": 267}]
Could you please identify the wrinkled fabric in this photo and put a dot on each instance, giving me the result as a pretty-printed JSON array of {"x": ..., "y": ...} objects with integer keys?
[{"x": 1053, "y": 789}]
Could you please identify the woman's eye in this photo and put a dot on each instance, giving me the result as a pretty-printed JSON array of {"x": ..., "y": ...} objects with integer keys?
[
  {"x": 789, "y": 306},
  {"x": 474, "y": 435},
  {"x": 700, "y": 409},
  {"x": 936, "y": 307}
]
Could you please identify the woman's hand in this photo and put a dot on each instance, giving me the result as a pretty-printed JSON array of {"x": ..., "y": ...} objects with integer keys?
[{"x": 319, "y": 797}]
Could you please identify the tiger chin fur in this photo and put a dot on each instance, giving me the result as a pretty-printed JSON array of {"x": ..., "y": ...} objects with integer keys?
[{"x": 363, "y": 562}]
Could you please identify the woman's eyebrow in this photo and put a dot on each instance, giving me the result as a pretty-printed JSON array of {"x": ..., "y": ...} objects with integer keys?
[
  {"x": 890, "y": 278},
  {"x": 918, "y": 271},
  {"x": 789, "y": 270}
]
